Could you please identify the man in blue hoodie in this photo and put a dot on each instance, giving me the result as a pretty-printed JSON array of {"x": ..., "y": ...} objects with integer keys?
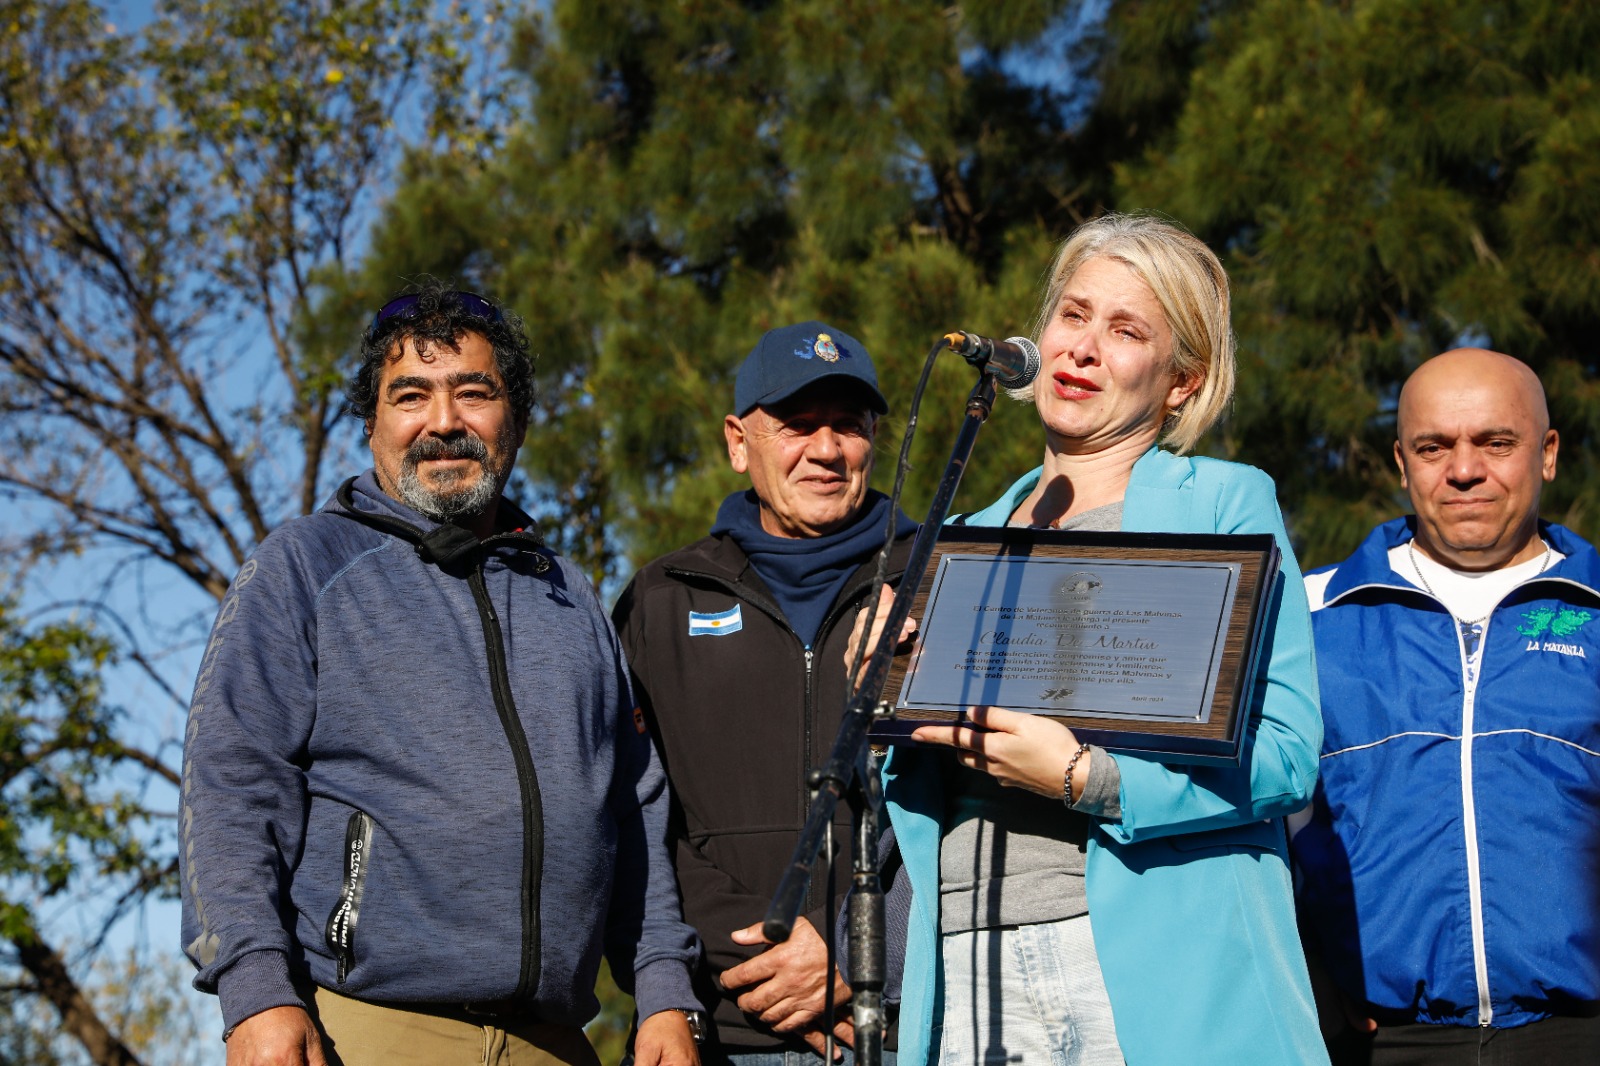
[
  {"x": 1449, "y": 864},
  {"x": 737, "y": 646},
  {"x": 417, "y": 803}
]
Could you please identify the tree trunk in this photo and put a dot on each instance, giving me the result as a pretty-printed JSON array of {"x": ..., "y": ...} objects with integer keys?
[{"x": 78, "y": 1017}]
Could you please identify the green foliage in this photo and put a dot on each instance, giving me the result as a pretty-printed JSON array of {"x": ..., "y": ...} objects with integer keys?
[
  {"x": 1387, "y": 178},
  {"x": 60, "y": 818},
  {"x": 687, "y": 177},
  {"x": 610, "y": 1028},
  {"x": 179, "y": 298},
  {"x": 69, "y": 819}
]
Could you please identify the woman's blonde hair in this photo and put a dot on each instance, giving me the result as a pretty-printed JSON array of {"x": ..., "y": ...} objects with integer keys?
[{"x": 1192, "y": 288}]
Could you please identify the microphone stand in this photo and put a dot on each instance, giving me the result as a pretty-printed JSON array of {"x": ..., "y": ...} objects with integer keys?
[{"x": 850, "y": 775}]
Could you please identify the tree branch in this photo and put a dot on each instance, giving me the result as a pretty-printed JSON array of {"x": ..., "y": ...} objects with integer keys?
[{"x": 79, "y": 1019}]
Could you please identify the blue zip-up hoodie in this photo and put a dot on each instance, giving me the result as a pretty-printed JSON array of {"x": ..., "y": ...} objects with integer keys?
[
  {"x": 1451, "y": 868},
  {"x": 412, "y": 772}
]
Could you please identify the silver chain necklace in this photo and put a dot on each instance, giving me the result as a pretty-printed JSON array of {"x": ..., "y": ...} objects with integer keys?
[{"x": 1411, "y": 546}]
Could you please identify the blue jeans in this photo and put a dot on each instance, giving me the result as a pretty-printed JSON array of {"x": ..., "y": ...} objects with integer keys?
[
  {"x": 1028, "y": 994},
  {"x": 711, "y": 1057},
  {"x": 795, "y": 1058}
]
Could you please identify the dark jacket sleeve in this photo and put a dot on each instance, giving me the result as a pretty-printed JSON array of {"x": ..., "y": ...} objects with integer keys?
[
  {"x": 650, "y": 947},
  {"x": 244, "y": 797},
  {"x": 714, "y": 892}
]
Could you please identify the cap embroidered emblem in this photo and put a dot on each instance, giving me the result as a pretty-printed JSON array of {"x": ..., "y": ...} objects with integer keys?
[{"x": 826, "y": 350}]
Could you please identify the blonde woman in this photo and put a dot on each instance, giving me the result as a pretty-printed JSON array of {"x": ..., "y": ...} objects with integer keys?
[{"x": 1074, "y": 905}]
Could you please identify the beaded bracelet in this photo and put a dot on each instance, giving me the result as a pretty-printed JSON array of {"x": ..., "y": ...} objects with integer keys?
[{"x": 1066, "y": 790}]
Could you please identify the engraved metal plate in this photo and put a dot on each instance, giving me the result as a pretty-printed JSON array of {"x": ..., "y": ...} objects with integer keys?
[
  {"x": 1141, "y": 642},
  {"x": 1073, "y": 637}
]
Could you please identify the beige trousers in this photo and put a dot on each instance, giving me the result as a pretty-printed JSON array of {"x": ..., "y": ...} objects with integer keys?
[{"x": 357, "y": 1033}]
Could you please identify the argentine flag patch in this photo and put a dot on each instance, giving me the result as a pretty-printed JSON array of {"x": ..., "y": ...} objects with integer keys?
[{"x": 716, "y": 625}]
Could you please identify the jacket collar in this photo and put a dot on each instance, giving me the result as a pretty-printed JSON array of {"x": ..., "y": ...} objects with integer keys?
[
  {"x": 1157, "y": 496},
  {"x": 719, "y": 556},
  {"x": 1160, "y": 495},
  {"x": 362, "y": 500},
  {"x": 1369, "y": 566}
]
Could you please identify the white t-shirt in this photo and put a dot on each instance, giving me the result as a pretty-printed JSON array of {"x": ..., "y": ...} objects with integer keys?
[{"x": 1470, "y": 596}]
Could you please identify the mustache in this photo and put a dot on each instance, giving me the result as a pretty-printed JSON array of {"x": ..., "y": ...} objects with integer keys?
[{"x": 466, "y": 446}]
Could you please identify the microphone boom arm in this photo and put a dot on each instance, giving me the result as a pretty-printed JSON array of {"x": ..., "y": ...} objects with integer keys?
[{"x": 847, "y": 762}]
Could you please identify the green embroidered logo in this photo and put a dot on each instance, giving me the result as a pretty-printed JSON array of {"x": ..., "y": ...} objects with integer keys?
[
  {"x": 1538, "y": 621},
  {"x": 1547, "y": 619},
  {"x": 1569, "y": 622}
]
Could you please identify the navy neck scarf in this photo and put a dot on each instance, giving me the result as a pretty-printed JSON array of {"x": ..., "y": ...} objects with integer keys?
[{"x": 807, "y": 574}]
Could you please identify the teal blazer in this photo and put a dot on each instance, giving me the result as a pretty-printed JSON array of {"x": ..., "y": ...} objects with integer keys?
[{"x": 1189, "y": 894}]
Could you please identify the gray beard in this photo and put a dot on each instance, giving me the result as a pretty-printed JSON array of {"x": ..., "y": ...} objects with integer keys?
[{"x": 451, "y": 503}]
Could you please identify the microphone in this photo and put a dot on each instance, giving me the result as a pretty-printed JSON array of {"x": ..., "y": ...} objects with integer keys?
[{"x": 1014, "y": 362}]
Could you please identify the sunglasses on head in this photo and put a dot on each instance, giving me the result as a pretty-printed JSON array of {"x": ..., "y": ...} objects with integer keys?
[{"x": 406, "y": 307}]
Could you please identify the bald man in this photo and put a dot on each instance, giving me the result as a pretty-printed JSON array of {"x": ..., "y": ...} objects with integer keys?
[{"x": 1449, "y": 866}]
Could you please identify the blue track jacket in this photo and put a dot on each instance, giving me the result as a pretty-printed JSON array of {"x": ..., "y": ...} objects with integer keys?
[
  {"x": 1451, "y": 868},
  {"x": 416, "y": 781}
]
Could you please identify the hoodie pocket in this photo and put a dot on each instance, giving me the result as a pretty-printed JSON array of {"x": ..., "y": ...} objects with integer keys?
[{"x": 341, "y": 928}]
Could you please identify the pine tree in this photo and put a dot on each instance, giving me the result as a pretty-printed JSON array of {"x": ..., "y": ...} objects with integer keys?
[
  {"x": 686, "y": 178},
  {"x": 1388, "y": 179}
]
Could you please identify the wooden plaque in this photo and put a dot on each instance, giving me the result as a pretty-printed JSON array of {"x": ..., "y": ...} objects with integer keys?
[{"x": 1141, "y": 642}]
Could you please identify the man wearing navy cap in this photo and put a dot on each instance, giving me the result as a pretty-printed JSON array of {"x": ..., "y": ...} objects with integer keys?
[{"x": 736, "y": 643}]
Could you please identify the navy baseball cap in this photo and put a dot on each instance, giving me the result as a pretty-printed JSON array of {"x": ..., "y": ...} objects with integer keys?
[{"x": 787, "y": 359}]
